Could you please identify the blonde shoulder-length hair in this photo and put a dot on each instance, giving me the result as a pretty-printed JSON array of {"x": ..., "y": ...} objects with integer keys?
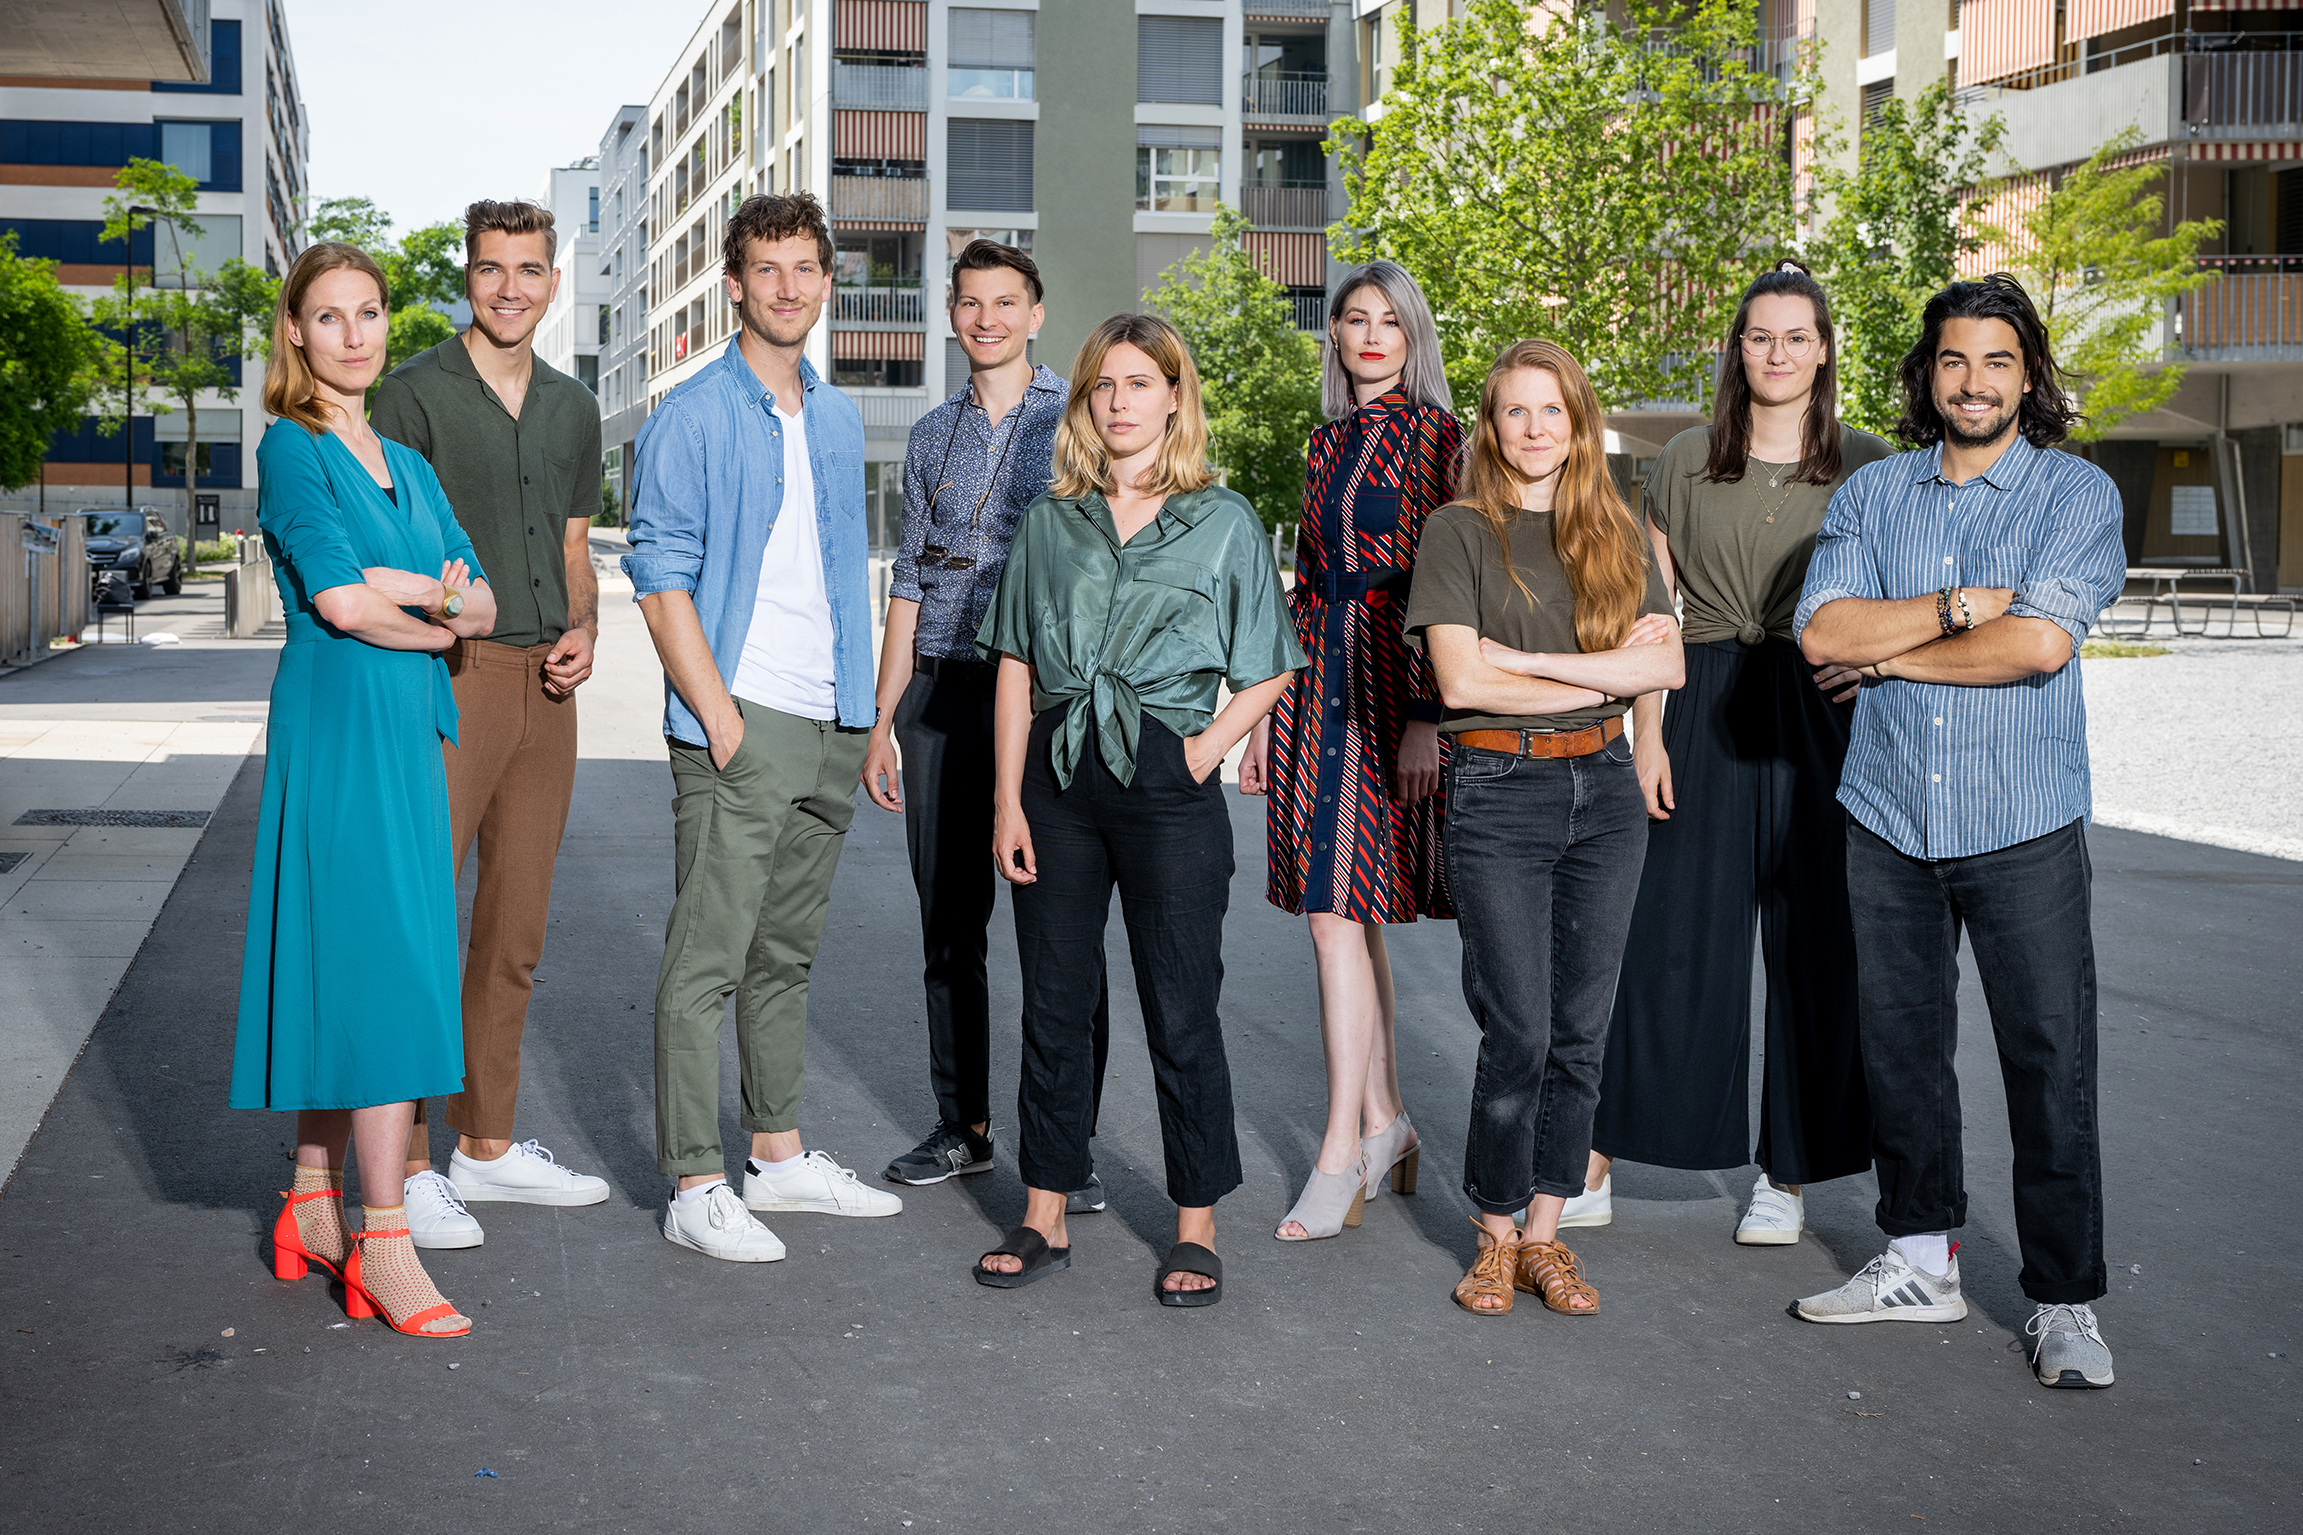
[
  {"x": 1082, "y": 465},
  {"x": 288, "y": 387},
  {"x": 1599, "y": 544}
]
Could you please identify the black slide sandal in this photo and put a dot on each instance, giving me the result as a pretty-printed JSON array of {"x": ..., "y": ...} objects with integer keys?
[
  {"x": 1040, "y": 1260},
  {"x": 1189, "y": 1258}
]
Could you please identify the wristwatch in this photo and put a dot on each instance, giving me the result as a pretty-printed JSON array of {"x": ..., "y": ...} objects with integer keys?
[{"x": 452, "y": 604}]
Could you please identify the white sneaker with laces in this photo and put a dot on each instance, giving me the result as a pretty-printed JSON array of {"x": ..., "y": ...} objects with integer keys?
[
  {"x": 1592, "y": 1207},
  {"x": 436, "y": 1217},
  {"x": 819, "y": 1186},
  {"x": 525, "y": 1175},
  {"x": 1888, "y": 1290},
  {"x": 717, "y": 1225},
  {"x": 1775, "y": 1218}
]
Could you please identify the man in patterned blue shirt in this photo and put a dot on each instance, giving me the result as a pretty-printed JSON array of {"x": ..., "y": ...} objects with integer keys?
[
  {"x": 1960, "y": 579},
  {"x": 973, "y": 464}
]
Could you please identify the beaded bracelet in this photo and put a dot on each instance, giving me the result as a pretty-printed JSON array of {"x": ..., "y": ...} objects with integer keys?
[
  {"x": 1943, "y": 611},
  {"x": 1966, "y": 613}
]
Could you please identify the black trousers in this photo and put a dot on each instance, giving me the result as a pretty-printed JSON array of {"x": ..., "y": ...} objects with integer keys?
[
  {"x": 944, "y": 725},
  {"x": 1758, "y": 834},
  {"x": 2026, "y": 910},
  {"x": 1543, "y": 856},
  {"x": 1165, "y": 842}
]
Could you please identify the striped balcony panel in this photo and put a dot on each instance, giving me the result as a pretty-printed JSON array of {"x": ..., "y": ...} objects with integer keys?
[
  {"x": 2092, "y": 18},
  {"x": 880, "y": 135},
  {"x": 878, "y": 345},
  {"x": 1293, "y": 260},
  {"x": 1284, "y": 207},
  {"x": 1998, "y": 38},
  {"x": 881, "y": 26},
  {"x": 880, "y": 202}
]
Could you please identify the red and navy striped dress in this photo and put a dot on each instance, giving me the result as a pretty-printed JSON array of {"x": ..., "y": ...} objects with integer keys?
[{"x": 1338, "y": 841}]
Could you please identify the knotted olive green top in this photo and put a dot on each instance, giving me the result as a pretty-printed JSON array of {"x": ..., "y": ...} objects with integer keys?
[{"x": 1114, "y": 630}]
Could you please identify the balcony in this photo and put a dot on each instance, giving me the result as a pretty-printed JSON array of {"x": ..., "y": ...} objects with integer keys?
[
  {"x": 880, "y": 199},
  {"x": 1310, "y": 311},
  {"x": 1284, "y": 10},
  {"x": 2253, "y": 312},
  {"x": 888, "y": 415},
  {"x": 2261, "y": 93},
  {"x": 880, "y": 87},
  {"x": 878, "y": 306},
  {"x": 1302, "y": 98},
  {"x": 2062, "y": 121},
  {"x": 1284, "y": 207}
]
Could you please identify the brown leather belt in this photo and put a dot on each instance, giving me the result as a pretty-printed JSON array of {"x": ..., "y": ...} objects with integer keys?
[{"x": 1543, "y": 743}]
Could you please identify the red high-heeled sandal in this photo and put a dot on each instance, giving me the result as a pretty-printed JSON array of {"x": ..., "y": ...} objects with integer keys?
[
  {"x": 360, "y": 1302},
  {"x": 291, "y": 1259}
]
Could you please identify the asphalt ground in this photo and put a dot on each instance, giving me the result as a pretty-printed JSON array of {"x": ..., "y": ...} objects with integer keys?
[{"x": 155, "y": 1374}]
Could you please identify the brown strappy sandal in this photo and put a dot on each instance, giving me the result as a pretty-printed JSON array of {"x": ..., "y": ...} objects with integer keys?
[
  {"x": 1490, "y": 1274},
  {"x": 1550, "y": 1271}
]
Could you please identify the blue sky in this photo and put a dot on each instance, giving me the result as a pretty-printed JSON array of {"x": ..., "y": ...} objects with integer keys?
[{"x": 421, "y": 114}]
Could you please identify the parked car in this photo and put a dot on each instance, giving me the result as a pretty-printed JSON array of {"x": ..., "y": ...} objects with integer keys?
[{"x": 133, "y": 541}]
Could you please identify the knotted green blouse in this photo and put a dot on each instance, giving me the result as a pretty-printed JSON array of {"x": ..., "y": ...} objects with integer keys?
[{"x": 1115, "y": 630}]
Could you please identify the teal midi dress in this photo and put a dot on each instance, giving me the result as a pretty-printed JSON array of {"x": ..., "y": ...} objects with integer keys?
[{"x": 348, "y": 990}]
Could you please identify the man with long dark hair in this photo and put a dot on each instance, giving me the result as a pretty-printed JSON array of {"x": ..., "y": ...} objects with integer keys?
[{"x": 1960, "y": 579}]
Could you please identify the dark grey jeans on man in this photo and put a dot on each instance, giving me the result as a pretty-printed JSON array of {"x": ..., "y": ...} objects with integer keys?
[
  {"x": 2026, "y": 911},
  {"x": 754, "y": 848},
  {"x": 1543, "y": 856}
]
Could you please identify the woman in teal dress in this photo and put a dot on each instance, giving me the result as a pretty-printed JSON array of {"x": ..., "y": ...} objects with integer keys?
[{"x": 349, "y": 1010}]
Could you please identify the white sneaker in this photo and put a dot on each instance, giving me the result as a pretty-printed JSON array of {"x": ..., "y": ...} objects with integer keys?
[
  {"x": 1888, "y": 1290},
  {"x": 1592, "y": 1207},
  {"x": 1775, "y": 1218},
  {"x": 525, "y": 1175},
  {"x": 717, "y": 1225},
  {"x": 818, "y": 1185},
  {"x": 436, "y": 1217}
]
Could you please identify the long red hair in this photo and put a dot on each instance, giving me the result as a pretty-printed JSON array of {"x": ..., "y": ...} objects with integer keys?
[{"x": 1598, "y": 542}]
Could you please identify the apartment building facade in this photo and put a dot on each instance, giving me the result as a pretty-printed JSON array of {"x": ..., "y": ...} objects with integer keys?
[
  {"x": 575, "y": 327},
  {"x": 242, "y": 135},
  {"x": 623, "y": 259},
  {"x": 1099, "y": 134}
]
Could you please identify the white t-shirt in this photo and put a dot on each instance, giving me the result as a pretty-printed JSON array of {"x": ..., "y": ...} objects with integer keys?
[{"x": 787, "y": 660}]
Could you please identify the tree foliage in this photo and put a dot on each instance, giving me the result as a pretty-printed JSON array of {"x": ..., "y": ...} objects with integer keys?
[
  {"x": 1606, "y": 177},
  {"x": 147, "y": 193},
  {"x": 1895, "y": 227},
  {"x": 52, "y": 361},
  {"x": 1258, "y": 373},
  {"x": 2095, "y": 263}
]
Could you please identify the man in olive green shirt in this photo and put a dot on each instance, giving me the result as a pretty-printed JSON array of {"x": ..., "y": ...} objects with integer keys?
[{"x": 516, "y": 445}]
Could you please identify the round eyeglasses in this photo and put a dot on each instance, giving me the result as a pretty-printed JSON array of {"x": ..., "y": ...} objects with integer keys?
[{"x": 1798, "y": 345}]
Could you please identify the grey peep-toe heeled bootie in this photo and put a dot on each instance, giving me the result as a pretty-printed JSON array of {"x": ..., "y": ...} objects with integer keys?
[{"x": 1330, "y": 1202}]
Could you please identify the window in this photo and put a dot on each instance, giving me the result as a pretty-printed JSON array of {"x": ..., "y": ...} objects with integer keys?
[
  {"x": 619, "y": 335},
  {"x": 884, "y": 505},
  {"x": 1879, "y": 27},
  {"x": 588, "y": 371},
  {"x": 993, "y": 54},
  {"x": 593, "y": 219},
  {"x": 876, "y": 373},
  {"x": 1286, "y": 163},
  {"x": 603, "y": 325},
  {"x": 988, "y": 165},
  {"x": 1177, "y": 169},
  {"x": 1179, "y": 59}
]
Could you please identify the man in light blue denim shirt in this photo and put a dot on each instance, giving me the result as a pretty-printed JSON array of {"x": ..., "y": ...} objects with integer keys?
[
  {"x": 1960, "y": 580},
  {"x": 763, "y": 623}
]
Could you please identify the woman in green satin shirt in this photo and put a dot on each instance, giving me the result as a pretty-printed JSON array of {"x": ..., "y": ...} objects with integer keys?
[{"x": 1134, "y": 588}]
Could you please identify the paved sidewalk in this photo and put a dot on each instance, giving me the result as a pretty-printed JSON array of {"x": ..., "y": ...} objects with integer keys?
[{"x": 616, "y": 1382}]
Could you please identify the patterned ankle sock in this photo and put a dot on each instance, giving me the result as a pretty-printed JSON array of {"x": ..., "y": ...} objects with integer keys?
[
  {"x": 391, "y": 1272},
  {"x": 320, "y": 1222}
]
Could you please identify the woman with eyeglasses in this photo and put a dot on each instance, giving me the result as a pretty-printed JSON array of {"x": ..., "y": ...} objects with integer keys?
[
  {"x": 1351, "y": 757},
  {"x": 1741, "y": 775}
]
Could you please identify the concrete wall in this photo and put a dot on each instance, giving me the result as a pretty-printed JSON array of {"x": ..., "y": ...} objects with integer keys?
[
  {"x": 1083, "y": 170},
  {"x": 1839, "y": 25},
  {"x": 1919, "y": 29}
]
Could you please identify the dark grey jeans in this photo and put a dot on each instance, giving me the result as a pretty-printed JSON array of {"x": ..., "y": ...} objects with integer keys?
[
  {"x": 2026, "y": 911},
  {"x": 1543, "y": 855}
]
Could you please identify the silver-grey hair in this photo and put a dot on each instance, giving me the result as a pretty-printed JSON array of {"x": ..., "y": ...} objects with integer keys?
[{"x": 1426, "y": 377}]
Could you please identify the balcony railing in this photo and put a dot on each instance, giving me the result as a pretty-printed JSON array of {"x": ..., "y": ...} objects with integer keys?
[
  {"x": 1277, "y": 95},
  {"x": 888, "y": 415},
  {"x": 878, "y": 306},
  {"x": 1310, "y": 311},
  {"x": 2252, "y": 313},
  {"x": 886, "y": 87},
  {"x": 1284, "y": 207},
  {"x": 884, "y": 199},
  {"x": 2243, "y": 90},
  {"x": 1284, "y": 10}
]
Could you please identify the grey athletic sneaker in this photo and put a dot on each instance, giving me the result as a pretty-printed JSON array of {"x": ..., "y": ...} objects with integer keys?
[
  {"x": 1888, "y": 1290},
  {"x": 2070, "y": 1350}
]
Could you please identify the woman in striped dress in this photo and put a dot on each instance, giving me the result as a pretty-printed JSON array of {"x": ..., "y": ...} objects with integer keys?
[{"x": 1351, "y": 758}]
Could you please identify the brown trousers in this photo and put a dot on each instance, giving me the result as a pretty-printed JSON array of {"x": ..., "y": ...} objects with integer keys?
[{"x": 510, "y": 777}]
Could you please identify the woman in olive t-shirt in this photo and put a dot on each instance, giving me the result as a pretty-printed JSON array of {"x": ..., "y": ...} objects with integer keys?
[
  {"x": 1741, "y": 775},
  {"x": 1542, "y": 611}
]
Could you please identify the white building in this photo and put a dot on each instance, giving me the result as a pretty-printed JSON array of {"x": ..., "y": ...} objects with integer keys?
[
  {"x": 624, "y": 386},
  {"x": 574, "y": 331},
  {"x": 241, "y": 134}
]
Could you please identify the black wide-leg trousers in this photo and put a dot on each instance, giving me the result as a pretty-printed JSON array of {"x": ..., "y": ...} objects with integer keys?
[
  {"x": 1164, "y": 842},
  {"x": 1758, "y": 835}
]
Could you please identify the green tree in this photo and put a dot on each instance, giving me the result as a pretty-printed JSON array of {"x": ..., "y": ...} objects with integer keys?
[
  {"x": 1258, "y": 373},
  {"x": 424, "y": 267},
  {"x": 211, "y": 324},
  {"x": 1608, "y": 177},
  {"x": 52, "y": 362},
  {"x": 1894, "y": 228},
  {"x": 148, "y": 195},
  {"x": 2093, "y": 259}
]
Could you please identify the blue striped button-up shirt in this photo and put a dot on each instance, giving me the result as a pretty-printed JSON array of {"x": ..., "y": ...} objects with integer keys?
[{"x": 1948, "y": 772}]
